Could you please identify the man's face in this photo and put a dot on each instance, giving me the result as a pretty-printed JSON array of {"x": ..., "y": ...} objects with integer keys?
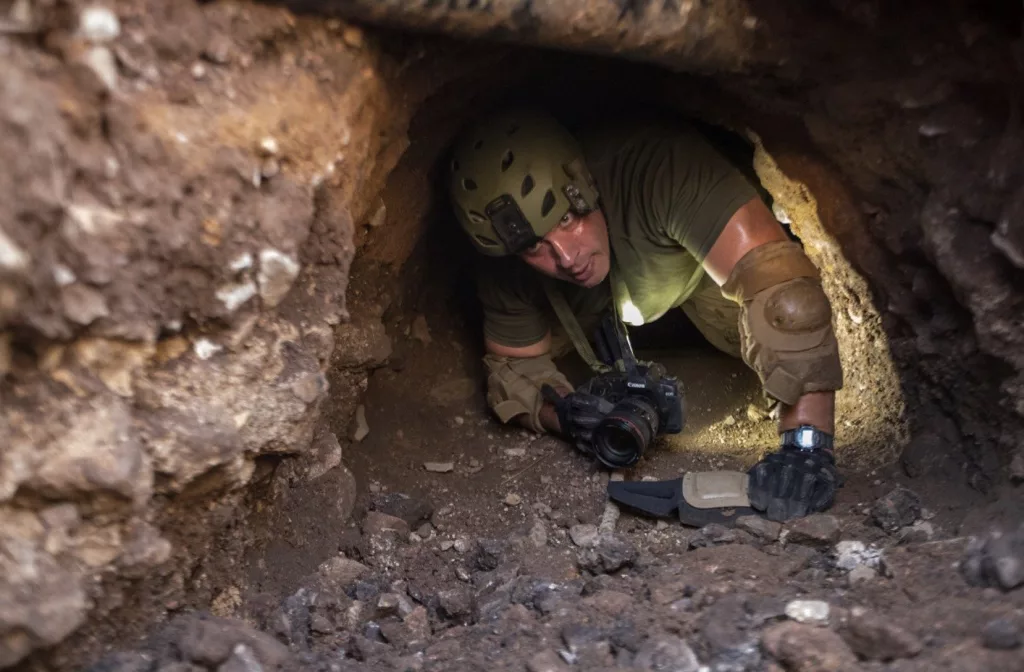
[{"x": 576, "y": 250}]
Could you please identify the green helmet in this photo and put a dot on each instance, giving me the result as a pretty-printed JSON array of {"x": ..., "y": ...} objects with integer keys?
[{"x": 514, "y": 175}]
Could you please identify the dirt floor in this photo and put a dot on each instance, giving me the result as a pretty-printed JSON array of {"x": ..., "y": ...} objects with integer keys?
[{"x": 510, "y": 558}]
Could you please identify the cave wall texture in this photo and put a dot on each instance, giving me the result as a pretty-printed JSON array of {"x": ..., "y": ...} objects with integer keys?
[{"x": 185, "y": 190}]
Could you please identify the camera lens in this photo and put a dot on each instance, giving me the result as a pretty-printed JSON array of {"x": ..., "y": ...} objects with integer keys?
[{"x": 621, "y": 438}]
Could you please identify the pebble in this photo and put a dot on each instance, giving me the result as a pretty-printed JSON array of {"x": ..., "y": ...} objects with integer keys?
[
  {"x": 439, "y": 467},
  {"x": 459, "y": 420},
  {"x": 729, "y": 421},
  {"x": 609, "y": 518},
  {"x": 461, "y": 545},
  {"x": 447, "y": 544},
  {"x": 851, "y": 554},
  {"x": 463, "y": 574},
  {"x": 425, "y": 530},
  {"x": 98, "y": 25},
  {"x": 666, "y": 653},
  {"x": 584, "y": 535},
  {"x": 268, "y": 146},
  {"x": 804, "y": 648},
  {"x": 919, "y": 532},
  {"x": 353, "y": 37},
  {"x": 899, "y": 508},
  {"x": 755, "y": 414},
  {"x": 996, "y": 560},
  {"x": 512, "y": 499},
  {"x": 101, "y": 62},
  {"x": 661, "y": 525},
  {"x": 515, "y": 452},
  {"x": 861, "y": 574},
  {"x": 814, "y": 612},
  {"x": 198, "y": 71},
  {"x": 818, "y": 530},
  {"x": 762, "y": 528},
  {"x": 1001, "y": 634},
  {"x": 872, "y": 636},
  {"x": 362, "y": 429},
  {"x": 546, "y": 661},
  {"x": 538, "y": 534},
  {"x": 270, "y": 168}
]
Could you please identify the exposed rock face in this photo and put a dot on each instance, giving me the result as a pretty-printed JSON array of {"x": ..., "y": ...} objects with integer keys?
[{"x": 190, "y": 184}]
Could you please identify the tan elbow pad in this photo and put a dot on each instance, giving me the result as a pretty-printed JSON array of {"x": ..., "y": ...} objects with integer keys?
[
  {"x": 513, "y": 386},
  {"x": 785, "y": 322}
]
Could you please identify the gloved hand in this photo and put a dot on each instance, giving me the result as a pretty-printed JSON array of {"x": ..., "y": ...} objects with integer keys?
[
  {"x": 791, "y": 483},
  {"x": 578, "y": 414}
]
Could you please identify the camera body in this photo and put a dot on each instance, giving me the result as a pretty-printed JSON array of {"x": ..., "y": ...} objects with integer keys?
[{"x": 648, "y": 402}]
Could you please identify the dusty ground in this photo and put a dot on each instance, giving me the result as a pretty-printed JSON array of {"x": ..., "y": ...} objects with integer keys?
[{"x": 488, "y": 566}]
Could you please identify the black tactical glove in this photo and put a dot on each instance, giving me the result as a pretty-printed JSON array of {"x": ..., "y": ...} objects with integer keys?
[
  {"x": 792, "y": 482},
  {"x": 578, "y": 414}
]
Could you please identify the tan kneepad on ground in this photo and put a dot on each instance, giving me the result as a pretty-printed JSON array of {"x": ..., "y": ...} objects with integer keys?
[
  {"x": 785, "y": 322},
  {"x": 513, "y": 386}
]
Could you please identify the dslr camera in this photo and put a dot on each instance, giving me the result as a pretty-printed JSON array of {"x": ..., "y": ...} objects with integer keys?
[{"x": 647, "y": 401}]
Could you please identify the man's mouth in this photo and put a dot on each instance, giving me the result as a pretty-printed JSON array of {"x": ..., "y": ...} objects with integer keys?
[{"x": 583, "y": 273}]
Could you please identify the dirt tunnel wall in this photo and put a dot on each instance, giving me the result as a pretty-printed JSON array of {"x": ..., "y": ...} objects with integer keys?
[{"x": 192, "y": 183}]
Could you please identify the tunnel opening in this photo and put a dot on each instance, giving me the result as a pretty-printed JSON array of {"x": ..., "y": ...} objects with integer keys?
[{"x": 389, "y": 514}]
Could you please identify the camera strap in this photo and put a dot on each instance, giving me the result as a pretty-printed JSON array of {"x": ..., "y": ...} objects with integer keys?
[{"x": 572, "y": 327}]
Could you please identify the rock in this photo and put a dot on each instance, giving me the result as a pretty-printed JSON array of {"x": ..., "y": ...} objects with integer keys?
[
  {"x": 455, "y": 603},
  {"x": 584, "y": 535},
  {"x": 276, "y": 274},
  {"x": 762, "y": 528},
  {"x": 1001, "y": 634},
  {"x": 362, "y": 429},
  {"x": 817, "y": 530},
  {"x": 996, "y": 560},
  {"x": 83, "y": 305},
  {"x": 814, "y": 612},
  {"x": 852, "y": 554},
  {"x": 353, "y": 37},
  {"x": 381, "y": 524},
  {"x": 412, "y": 508},
  {"x": 268, "y": 147},
  {"x": 860, "y": 574},
  {"x": 666, "y": 653},
  {"x": 918, "y": 533},
  {"x": 899, "y": 508},
  {"x": 101, "y": 61},
  {"x": 420, "y": 330},
  {"x": 713, "y": 535},
  {"x": 460, "y": 545},
  {"x": 1017, "y": 466},
  {"x": 546, "y": 661},
  {"x": 98, "y": 25},
  {"x": 755, "y": 414},
  {"x": 806, "y": 648},
  {"x": 387, "y": 605},
  {"x": 220, "y": 50},
  {"x": 211, "y": 641},
  {"x": 439, "y": 467},
  {"x": 425, "y": 530},
  {"x": 611, "y": 554},
  {"x": 365, "y": 649},
  {"x": 418, "y": 622},
  {"x": 610, "y": 602},
  {"x": 515, "y": 452},
  {"x": 270, "y": 168},
  {"x": 873, "y": 637},
  {"x": 512, "y": 499},
  {"x": 489, "y": 554},
  {"x": 242, "y": 660},
  {"x": 538, "y": 534}
]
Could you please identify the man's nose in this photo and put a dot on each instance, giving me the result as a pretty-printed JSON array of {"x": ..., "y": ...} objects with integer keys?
[{"x": 565, "y": 253}]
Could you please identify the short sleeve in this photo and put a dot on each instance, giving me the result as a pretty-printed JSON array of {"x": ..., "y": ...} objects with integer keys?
[
  {"x": 695, "y": 191},
  {"x": 513, "y": 303}
]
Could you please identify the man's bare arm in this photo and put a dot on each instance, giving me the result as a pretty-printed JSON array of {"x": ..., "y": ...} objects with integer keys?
[{"x": 751, "y": 226}]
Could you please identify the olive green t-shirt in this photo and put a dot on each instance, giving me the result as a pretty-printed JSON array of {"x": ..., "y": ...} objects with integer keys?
[{"x": 666, "y": 195}]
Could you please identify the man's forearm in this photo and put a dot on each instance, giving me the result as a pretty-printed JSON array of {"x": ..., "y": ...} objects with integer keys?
[{"x": 817, "y": 409}]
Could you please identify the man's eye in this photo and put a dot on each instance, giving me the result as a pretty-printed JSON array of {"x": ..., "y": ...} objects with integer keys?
[{"x": 566, "y": 220}]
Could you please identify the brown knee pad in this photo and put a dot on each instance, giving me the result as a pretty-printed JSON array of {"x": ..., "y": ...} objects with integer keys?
[{"x": 785, "y": 322}]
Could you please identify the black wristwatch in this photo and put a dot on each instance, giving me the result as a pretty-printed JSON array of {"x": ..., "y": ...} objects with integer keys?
[{"x": 807, "y": 438}]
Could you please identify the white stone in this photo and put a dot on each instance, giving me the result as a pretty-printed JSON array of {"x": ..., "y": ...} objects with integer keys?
[
  {"x": 232, "y": 296},
  {"x": 205, "y": 348},
  {"x": 512, "y": 499},
  {"x": 439, "y": 467},
  {"x": 277, "y": 272},
  {"x": 98, "y": 24},
  {"x": 861, "y": 574},
  {"x": 241, "y": 262},
  {"x": 12, "y": 257},
  {"x": 269, "y": 146},
  {"x": 63, "y": 275},
  {"x": 814, "y": 612},
  {"x": 101, "y": 61},
  {"x": 515, "y": 452},
  {"x": 91, "y": 220},
  {"x": 851, "y": 554}
]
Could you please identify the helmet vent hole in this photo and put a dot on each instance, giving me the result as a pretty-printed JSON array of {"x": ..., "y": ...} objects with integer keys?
[
  {"x": 469, "y": 185},
  {"x": 485, "y": 241},
  {"x": 527, "y": 186},
  {"x": 549, "y": 202},
  {"x": 455, "y": 166},
  {"x": 507, "y": 160},
  {"x": 477, "y": 217}
]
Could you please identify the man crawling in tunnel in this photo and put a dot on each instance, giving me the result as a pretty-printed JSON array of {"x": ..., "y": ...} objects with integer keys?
[{"x": 632, "y": 222}]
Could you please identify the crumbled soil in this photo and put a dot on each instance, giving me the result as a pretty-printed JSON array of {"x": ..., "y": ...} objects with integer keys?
[{"x": 474, "y": 579}]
